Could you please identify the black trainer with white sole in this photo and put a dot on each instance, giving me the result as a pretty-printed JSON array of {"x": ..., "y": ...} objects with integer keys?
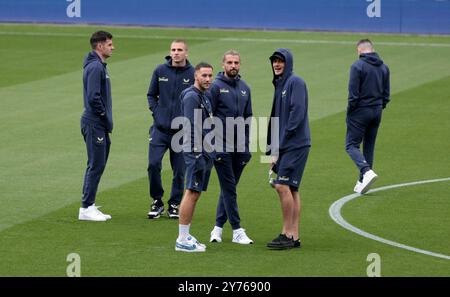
[
  {"x": 173, "y": 211},
  {"x": 156, "y": 209}
]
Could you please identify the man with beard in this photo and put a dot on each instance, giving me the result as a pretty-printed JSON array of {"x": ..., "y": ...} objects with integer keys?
[{"x": 231, "y": 102}]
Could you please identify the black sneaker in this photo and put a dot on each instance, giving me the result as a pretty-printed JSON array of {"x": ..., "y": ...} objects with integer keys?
[
  {"x": 297, "y": 243},
  {"x": 173, "y": 211},
  {"x": 156, "y": 209},
  {"x": 281, "y": 242}
]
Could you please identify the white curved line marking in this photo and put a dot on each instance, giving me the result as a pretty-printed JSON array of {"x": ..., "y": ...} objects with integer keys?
[{"x": 335, "y": 214}]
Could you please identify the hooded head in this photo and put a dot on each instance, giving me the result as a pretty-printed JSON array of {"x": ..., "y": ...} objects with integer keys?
[{"x": 285, "y": 55}]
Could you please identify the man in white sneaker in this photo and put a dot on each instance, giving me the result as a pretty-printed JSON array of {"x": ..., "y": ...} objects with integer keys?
[
  {"x": 369, "y": 91},
  {"x": 231, "y": 100},
  {"x": 96, "y": 122},
  {"x": 198, "y": 156}
]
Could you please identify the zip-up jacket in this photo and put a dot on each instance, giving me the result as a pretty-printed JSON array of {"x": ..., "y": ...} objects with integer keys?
[
  {"x": 96, "y": 92},
  {"x": 231, "y": 98},
  {"x": 163, "y": 95},
  {"x": 369, "y": 82},
  {"x": 194, "y": 102},
  {"x": 290, "y": 106}
]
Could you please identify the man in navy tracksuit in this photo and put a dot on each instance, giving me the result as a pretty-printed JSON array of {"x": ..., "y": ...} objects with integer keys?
[
  {"x": 198, "y": 153},
  {"x": 167, "y": 83},
  {"x": 288, "y": 144},
  {"x": 96, "y": 121},
  {"x": 368, "y": 95},
  {"x": 231, "y": 99}
]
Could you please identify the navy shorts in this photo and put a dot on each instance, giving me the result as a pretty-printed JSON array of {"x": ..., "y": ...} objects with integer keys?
[
  {"x": 290, "y": 167},
  {"x": 198, "y": 170}
]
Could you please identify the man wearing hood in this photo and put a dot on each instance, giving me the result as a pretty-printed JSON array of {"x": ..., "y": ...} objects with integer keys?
[
  {"x": 368, "y": 95},
  {"x": 288, "y": 143},
  {"x": 96, "y": 121},
  {"x": 231, "y": 102},
  {"x": 167, "y": 83}
]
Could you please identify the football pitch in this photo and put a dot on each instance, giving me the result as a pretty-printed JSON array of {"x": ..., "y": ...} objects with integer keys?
[{"x": 42, "y": 159}]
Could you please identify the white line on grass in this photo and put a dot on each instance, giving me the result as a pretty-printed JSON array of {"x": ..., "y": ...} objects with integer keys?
[
  {"x": 231, "y": 39},
  {"x": 335, "y": 213}
]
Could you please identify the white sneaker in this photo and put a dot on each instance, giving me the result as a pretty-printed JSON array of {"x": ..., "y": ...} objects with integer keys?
[
  {"x": 357, "y": 186},
  {"x": 216, "y": 234},
  {"x": 368, "y": 179},
  {"x": 197, "y": 242},
  {"x": 107, "y": 216},
  {"x": 90, "y": 214},
  {"x": 240, "y": 237},
  {"x": 189, "y": 245}
]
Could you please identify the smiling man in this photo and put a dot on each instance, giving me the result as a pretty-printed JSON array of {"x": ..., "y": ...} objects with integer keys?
[
  {"x": 290, "y": 152},
  {"x": 167, "y": 83}
]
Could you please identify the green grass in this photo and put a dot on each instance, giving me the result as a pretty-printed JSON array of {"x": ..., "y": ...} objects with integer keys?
[{"x": 42, "y": 158}]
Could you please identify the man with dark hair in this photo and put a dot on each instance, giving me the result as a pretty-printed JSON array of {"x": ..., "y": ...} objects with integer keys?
[
  {"x": 231, "y": 100},
  {"x": 288, "y": 144},
  {"x": 198, "y": 156},
  {"x": 96, "y": 121},
  {"x": 167, "y": 83},
  {"x": 368, "y": 95}
]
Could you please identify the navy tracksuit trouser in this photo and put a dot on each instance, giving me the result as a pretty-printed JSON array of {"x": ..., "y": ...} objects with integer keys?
[
  {"x": 362, "y": 127},
  {"x": 98, "y": 144},
  {"x": 159, "y": 143},
  {"x": 229, "y": 167}
]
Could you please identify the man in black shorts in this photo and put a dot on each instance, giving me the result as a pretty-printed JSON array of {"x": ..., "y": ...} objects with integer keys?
[{"x": 288, "y": 142}]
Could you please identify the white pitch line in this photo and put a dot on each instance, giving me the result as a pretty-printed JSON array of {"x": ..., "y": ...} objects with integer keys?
[
  {"x": 335, "y": 214},
  {"x": 229, "y": 39}
]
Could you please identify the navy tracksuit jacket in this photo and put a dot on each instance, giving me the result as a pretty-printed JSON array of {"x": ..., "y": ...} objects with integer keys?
[
  {"x": 290, "y": 106},
  {"x": 230, "y": 98},
  {"x": 96, "y": 123},
  {"x": 197, "y": 153},
  {"x": 163, "y": 96},
  {"x": 368, "y": 94}
]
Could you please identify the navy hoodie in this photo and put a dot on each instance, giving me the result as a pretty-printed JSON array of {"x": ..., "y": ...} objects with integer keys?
[
  {"x": 163, "y": 95},
  {"x": 193, "y": 99},
  {"x": 290, "y": 105},
  {"x": 231, "y": 98},
  {"x": 96, "y": 93},
  {"x": 369, "y": 82}
]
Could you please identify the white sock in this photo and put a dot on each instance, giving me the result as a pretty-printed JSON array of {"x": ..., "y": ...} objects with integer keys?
[{"x": 183, "y": 231}]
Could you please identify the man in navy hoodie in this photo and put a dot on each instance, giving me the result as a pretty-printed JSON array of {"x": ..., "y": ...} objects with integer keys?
[
  {"x": 167, "y": 83},
  {"x": 231, "y": 100},
  {"x": 368, "y": 95},
  {"x": 288, "y": 143},
  {"x": 96, "y": 121}
]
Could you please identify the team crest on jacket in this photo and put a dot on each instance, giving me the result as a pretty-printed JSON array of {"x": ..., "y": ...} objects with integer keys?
[
  {"x": 244, "y": 93},
  {"x": 162, "y": 78}
]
